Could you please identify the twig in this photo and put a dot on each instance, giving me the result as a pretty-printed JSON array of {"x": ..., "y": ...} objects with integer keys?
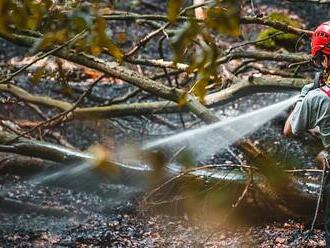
[
  {"x": 61, "y": 116},
  {"x": 244, "y": 192},
  {"x": 275, "y": 24},
  {"x": 54, "y": 50},
  {"x": 129, "y": 94},
  {"x": 234, "y": 155},
  {"x": 254, "y": 42},
  {"x": 129, "y": 16},
  {"x": 311, "y": 1},
  {"x": 304, "y": 171},
  {"x": 299, "y": 63},
  {"x": 144, "y": 40},
  {"x": 187, "y": 171},
  {"x": 148, "y": 37},
  {"x": 325, "y": 166}
]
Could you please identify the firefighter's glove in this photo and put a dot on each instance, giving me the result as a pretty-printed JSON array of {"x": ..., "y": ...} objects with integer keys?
[{"x": 304, "y": 91}]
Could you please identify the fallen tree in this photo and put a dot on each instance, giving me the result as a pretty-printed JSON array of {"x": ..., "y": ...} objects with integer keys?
[{"x": 295, "y": 200}]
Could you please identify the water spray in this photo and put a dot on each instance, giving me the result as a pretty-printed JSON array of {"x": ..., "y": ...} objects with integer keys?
[
  {"x": 205, "y": 141},
  {"x": 201, "y": 142}
]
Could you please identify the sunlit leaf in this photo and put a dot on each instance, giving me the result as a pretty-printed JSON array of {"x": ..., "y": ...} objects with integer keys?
[
  {"x": 78, "y": 23},
  {"x": 102, "y": 162},
  {"x": 173, "y": 9},
  {"x": 113, "y": 49},
  {"x": 35, "y": 14},
  {"x": 182, "y": 100},
  {"x": 199, "y": 88},
  {"x": 95, "y": 50},
  {"x": 51, "y": 39}
]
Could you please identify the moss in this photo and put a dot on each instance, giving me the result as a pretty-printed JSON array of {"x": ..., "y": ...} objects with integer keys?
[{"x": 286, "y": 41}]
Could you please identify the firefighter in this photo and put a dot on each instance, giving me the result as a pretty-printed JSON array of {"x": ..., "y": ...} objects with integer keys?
[{"x": 312, "y": 110}]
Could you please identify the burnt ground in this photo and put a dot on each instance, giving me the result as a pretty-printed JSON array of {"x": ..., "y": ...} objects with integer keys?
[
  {"x": 104, "y": 218},
  {"x": 96, "y": 213}
]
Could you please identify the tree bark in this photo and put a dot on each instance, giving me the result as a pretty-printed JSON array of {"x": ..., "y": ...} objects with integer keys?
[
  {"x": 288, "y": 203},
  {"x": 235, "y": 91}
]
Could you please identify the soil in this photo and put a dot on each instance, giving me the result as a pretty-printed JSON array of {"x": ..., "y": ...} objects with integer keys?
[
  {"x": 96, "y": 213},
  {"x": 105, "y": 217}
]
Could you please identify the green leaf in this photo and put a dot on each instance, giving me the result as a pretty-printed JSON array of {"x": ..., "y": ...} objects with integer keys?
[{"x": 173, "y": 9}]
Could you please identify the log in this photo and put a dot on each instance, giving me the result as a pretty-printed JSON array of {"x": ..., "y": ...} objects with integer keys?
[{"x": 294, "y": 201}]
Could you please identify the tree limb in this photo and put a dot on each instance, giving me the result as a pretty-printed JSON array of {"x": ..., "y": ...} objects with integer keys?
[
  {"x": 114, "y": 69},
  {"x": 275, "y": 24},
  {"x": 110, "y": 68},
  {"x": 129, "y": 16},
  {"x": 258, "y": 55},
  {"x": 235, "y": 91},
  {"x": 311, "y": 1}
]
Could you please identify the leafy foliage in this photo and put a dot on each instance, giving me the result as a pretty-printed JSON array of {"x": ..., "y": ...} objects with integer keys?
[
  {"x": 58, "y": 25},
  {"x": 194, "y": 42}
]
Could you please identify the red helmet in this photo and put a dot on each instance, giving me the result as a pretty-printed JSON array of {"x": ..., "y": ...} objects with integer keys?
[{"x": 321, "y": 39}]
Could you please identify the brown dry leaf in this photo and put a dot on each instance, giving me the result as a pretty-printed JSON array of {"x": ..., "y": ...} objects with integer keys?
[
  {"x": 28, "y": 123},
  {"x": 91, "y": 73},
  {"x": 280, "y": 240},
  {"x": 121, "y": 37}
]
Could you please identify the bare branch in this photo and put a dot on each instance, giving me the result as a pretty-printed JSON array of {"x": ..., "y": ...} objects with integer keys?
[
  {"x": 311, "y": 1},
  {"x": 275, "y": 24},
  {"x": 42, "y": 56}
]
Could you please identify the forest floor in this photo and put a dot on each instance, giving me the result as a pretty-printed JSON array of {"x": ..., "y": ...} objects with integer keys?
[
  {"x": 97, "y": 214},
  {"x": 104, "y": 218}
]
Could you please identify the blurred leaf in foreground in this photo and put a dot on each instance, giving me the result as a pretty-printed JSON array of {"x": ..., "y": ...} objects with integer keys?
[
  {"x": 102, "y": 162},
  {"x": 173, "y": 9},
  {"x": 183, "y": 38},
  {"x": 224, "y": 17}
]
